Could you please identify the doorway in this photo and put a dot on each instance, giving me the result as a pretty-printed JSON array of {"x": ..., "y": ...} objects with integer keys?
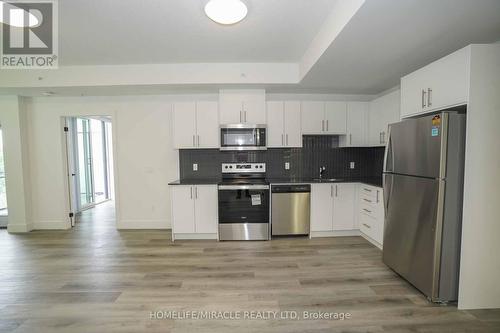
[
  {"x": 89, "y": 163},
  {"x": 3, "y": 193}
]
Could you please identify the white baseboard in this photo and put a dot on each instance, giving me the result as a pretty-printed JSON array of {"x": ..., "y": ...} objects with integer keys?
[
  {"x": 18, "y": 228},
  {"x": 371, "y": 240},
  {"x": 194, "y": 236},
  {"x": 142, "y": 224},
  {"x": 340, "y": 233},
  {"x": 52, "y": 225}
]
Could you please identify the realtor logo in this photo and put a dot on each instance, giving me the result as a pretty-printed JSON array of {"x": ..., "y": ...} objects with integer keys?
[{"x": 29, "y": 34}]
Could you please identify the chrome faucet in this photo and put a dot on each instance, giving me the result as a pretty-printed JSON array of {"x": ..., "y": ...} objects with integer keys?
[{"x": 322, "y": 170}]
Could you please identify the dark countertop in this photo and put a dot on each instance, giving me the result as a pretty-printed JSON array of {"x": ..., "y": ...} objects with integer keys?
[{"x": 373, "y": 181}]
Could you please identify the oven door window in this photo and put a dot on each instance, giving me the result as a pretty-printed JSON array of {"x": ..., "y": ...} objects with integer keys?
[{"x": 244, "y": 206}]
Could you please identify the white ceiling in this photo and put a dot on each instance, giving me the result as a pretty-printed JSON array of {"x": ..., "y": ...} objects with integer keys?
[
  {"x": 387, "y": 39},
  {"x": 111, "y": 32},
  {"x": 382, "y": 41}
]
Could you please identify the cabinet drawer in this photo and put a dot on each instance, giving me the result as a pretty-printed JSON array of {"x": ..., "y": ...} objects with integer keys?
[
  {"x": 369, "y": 209},
  {"x": 368, "y": 192},
  {"x": 372, "y": 227}
]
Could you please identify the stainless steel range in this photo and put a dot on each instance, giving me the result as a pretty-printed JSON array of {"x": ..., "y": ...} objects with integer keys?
[{"x": 244, "y": 201}]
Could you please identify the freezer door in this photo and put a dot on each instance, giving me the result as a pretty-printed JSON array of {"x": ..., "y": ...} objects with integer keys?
[
  {"x": 414, "y": 146},
  {"x": 411, "y": 229}
]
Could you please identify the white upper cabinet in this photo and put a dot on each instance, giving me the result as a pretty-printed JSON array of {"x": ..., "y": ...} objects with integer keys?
[
  {"x": 184, "y": 125},
  {"x": 344, "y": 199},
  {"x": 324, "y": 117},
  {"x": 195, "y": 125},
  {"x": 383, "y": 111},
  {"x": 357, "y": 115},
  {"x": 313, "y": 117},
  {"x": 293, "y": 127},
  {"x": 242, "y": 106},
  {"x": 336, "y": 117},
  {"x": 207, "y": 125},
  {"x": 283, "y": 124},
  {"x": 441, "y": 84}
]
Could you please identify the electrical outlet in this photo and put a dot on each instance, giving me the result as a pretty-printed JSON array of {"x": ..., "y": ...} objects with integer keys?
[
  {"x": 287, "y": 165},
  {"x": 352, "y": 165},
  {"x": 195, "y": 166}
]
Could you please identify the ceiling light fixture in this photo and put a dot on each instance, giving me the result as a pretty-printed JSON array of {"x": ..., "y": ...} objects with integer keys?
[{"x": 226, "y": 11}]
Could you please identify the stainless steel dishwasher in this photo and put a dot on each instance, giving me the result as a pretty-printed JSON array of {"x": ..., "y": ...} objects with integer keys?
[{"x": 290, "y": 209}]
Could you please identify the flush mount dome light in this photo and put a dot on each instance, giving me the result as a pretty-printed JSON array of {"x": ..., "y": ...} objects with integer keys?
[{"x": 226, "y": 11}]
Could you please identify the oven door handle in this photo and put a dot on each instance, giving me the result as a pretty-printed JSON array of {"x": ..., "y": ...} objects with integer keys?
[{"x": 243, "y": 187}]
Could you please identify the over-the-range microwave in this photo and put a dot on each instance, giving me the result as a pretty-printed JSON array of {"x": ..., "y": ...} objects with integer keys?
[{"x": 243, "y": 137}]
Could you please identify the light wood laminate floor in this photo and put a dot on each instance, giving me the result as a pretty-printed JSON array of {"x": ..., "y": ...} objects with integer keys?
[{"x": 97, "y": 279}]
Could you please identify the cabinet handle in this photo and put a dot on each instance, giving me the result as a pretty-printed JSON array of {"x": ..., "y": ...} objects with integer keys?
[
  {"x": 350, "y": 139},
  {"x": 327, "y": 125},
  {"x": 366, "y": 210},
  {"x": 429, "y": 97},
  {"x": 366, "y": 225},
  {"x": 367, "y": 200},
  {"x": 322, "y": 125},
  {"x": 282, "y": 140},
  {"x": 286, "y": 139},
  {"x": 336, "y": 191},
  {"x": 380, "y": 137},
  {"x": 198, "y": 137},
  {"x": 367, "y": 189},
  {"x": 377, "y": 196},
  {"x": 194, "y": 141},
  {"x": 331, "y": 190},
  {"x": 196, "y": 192},
  {"x": 191, "y": 188},
  {"x": 423, "y": 98}
]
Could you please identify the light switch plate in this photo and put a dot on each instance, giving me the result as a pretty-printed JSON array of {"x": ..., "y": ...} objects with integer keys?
[
  {"x": 195, "y": 166},
  {"x": 352, "y": 165},
  {"x": 287, "y": 165}
]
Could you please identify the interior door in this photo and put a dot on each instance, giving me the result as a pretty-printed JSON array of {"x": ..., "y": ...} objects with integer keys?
[
  {"x": 71, "y": 169},
  {"x": 85, "y": 172},
  {"x": 410, "y": 227},
  {"x": 3, "y": 192}
]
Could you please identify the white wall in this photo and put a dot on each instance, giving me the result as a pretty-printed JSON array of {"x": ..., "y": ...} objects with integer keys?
[
  {"x": 480, "y": 263},
  {"x": 144, "y": 159},
  {"x": 14, "y": 126}
]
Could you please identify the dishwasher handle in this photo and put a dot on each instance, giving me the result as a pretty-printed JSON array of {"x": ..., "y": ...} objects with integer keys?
[{"x": 291, "y": 188}]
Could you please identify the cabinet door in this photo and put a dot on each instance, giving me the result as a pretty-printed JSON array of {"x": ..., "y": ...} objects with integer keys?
[
  {"x": 184, "y": 123},
  {"x": 205, "y": 209},
  {"x": 207, "y": 124},
  {"x": 448, "y": 80},
  {"x": 313, "y": 117},
  {"x": 344, "y": 197},
  {"x": 254, "y": 111},
  {"x": 275, "y": 125},
  {"x": 413, "y": 99},
  {"x": 383, "y": 111},
  {"x": 293, "y": 128},
  {"x": 336, "y": 117},
  {"x": 356, "y": 124},
  {"x": 321, "y": 207},
  {"x": 182, "y": 209},
  {"x": 230, "y": 111}
]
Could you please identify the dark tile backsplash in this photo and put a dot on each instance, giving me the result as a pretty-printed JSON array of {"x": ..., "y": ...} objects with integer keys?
[{"x": 317, "y": 150}]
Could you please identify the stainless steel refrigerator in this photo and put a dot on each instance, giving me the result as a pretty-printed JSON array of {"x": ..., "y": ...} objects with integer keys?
[{"x": 423, "y": 190}]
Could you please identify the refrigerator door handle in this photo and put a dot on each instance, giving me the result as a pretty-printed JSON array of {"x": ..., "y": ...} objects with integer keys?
[{"x": 388, "y": 153}]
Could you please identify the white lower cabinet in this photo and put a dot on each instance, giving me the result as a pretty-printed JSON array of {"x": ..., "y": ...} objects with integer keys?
[
  {"x": 194, "y": 211},
  {"x": 332, "y": 208},
  {"x": 371, "y": 213}
]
